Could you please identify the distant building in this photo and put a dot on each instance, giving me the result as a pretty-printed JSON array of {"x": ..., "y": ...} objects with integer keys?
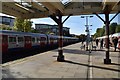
[
  {"x": 7, "y": 20},
  {"x": 51, "y": 29}
]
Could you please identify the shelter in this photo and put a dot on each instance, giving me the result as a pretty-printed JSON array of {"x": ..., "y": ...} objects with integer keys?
[{"x": 55, "y": 9}]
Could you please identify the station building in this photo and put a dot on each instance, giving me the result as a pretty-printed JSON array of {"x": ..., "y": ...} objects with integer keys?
[
  {"x": 7, "y": 21},
  {"x": 51, "y": 29}
]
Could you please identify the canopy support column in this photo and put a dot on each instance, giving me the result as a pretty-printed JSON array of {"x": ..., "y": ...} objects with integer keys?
[
  {"x": 107, "y": 60},
  {"x": 58, "y": 20}
]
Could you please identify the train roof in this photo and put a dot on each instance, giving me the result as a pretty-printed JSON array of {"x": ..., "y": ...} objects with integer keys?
[
  {"x": 21, "y": 33},
  {"x": 111, "y": 35},
  {"x": 32, "y": 34},
  {"x": 116, "y": 35}
]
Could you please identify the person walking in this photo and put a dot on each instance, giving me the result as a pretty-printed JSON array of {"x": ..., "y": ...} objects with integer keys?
[{"x": 115, "y": 42}]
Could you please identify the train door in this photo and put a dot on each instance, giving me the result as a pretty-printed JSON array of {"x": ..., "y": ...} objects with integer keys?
[
  {"x": 35, "y": 42},
  {"x": 20, "y": 43},
  {"x": 12, "y": 42},
  {"x": 4, "y": 42},
  {"x": 43, "y": 41},
  {"x": 51, "y": 41},
  {"x": 38, "y": 41},
  {"x": 28, "y": 43}
]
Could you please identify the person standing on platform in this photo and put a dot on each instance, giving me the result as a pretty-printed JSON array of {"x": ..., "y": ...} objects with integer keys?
[
  {"x": 115, "y": 41},
  {"x": 101, "y": 43},
  {"x": 82, "y": 41},
  {"x": 97, "y": 42}
]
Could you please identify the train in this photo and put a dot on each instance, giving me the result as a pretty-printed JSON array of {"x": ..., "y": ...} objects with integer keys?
[
  {"x": 111, "y": 39},
  {"x": 17, "y": 41}
]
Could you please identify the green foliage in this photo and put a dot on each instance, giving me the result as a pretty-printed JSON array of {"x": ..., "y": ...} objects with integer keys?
[
  {"x": 99, "y": 32},
  {"x": 113, "y": 28},
  {"x": 117, "y": 29},
  {"x": 18, "y": 24},
  {"x": 27, "y": 25},
  {"x": 82, "y": 37},
  {"x": 5, "y": 27},
  {"x": 34, "y": 31},
  {"x": 22, "y": 25}
]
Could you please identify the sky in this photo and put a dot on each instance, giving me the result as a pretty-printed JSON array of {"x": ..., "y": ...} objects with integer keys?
[{"x": 76, "y": 23}]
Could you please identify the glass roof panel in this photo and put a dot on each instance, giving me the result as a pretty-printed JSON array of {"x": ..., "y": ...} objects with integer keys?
[
  {"x": 65, "y": 1},
  {"x": 22, "y": 2}
]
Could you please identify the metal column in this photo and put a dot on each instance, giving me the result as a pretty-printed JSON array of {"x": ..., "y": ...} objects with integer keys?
[
  {"x": 107, "y": 60},
  {"x": 60, "y": 50},
  {"x": 58, "y": 19},
  {"x": 87, "y": 30}
]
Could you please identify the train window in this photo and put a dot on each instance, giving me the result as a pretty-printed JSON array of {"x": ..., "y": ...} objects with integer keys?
[
  {"x": 52, "y": 39},
  {"x": 12, "y": 39},
  {"x": 20, "y": 39},
  {"x": 4, "y": 39},
  {"x": 27, "y": 39},
  {"x": 38, "y": 40},
  {"x": 33, "y": 40},
  {"x": 43, "y": 38}
]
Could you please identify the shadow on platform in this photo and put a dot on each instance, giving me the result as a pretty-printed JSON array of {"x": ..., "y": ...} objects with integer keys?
[
  {"x": 115, "y": 64},
  {"x": 116, "y": 70}
]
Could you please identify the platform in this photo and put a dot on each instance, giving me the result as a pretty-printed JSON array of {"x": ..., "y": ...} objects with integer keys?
[{"x": 78, "y": 64}]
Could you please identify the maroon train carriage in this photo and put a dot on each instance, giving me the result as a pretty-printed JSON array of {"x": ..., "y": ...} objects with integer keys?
[
  {"x": 3, "y": 42},
  {"x": 52, "y": 41},
  {"x": 13, "y": 41}
]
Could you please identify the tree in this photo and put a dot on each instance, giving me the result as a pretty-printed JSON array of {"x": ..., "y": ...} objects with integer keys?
[
  {"x": 18, "y": 24},
  {"x": 5, "y": 27},
  {"x": 102, "y": 32},
  {"x": 82, "y": 37},
  {"x": 117, "y": 29},
  {"x": 99, "y": 32},
  {"x": 27, "y": 25},
  {"x": 113, "y": 28},
  {"x": 34, "y": 31},
  {"x": 23, "y": 25}
]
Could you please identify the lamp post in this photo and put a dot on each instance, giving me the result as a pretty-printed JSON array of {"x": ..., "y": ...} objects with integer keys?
[
  {"x": 87, "y": 30},
  {"x": 90, "y": 40}
]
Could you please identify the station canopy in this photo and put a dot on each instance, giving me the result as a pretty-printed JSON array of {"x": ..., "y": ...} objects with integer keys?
[{"x": 43, "y": 8}]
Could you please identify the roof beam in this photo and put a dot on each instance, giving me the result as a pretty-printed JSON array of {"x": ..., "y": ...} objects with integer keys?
[
  {"x": 27, "y": 9},
  {"x": 50, "y": 7},
  {"x": 10, "y": 11},
  {"x": 109, "y": 3},
  {"x": 79, "y": 11},
  {"x": 39, "y": 7},
  {"x": 12, "y": 4},
  {"x": 57, "y": 4},
  {"x": 35, "y": 5},
  {"x": 36, "y": 15},
  {"x": 114, "y": 5}
]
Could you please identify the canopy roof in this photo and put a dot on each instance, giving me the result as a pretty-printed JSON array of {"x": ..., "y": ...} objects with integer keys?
[{"x": 43, "y": 8}]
